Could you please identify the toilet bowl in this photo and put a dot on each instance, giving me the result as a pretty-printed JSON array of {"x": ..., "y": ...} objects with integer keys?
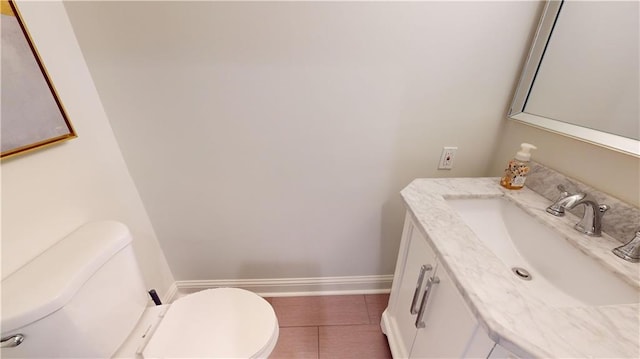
[
  {"x": 214, "y": 323},
  {"x": 84, "y": 298}
]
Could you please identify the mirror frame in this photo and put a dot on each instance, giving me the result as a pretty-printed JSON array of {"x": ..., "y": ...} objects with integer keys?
[{"x": 517, "y": 111}]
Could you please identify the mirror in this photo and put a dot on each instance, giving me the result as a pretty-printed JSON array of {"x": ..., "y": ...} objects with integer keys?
[{"x": 581, "y": 78}]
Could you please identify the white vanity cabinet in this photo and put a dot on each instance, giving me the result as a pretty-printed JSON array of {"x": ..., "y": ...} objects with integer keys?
[{"x": 427, "y": 316}]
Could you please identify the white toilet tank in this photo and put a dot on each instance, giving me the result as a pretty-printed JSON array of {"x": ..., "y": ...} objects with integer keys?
[{"x": 78, "y": 299}]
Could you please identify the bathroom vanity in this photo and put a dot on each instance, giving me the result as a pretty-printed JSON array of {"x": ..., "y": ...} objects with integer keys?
[{"x": 456, "y": 291}]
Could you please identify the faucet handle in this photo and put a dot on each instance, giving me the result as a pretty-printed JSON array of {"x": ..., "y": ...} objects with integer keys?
[
  {"x": 631, "y": 250},
  {"x": 563, "y": 200},
  {"x": 563, "y": 193}
]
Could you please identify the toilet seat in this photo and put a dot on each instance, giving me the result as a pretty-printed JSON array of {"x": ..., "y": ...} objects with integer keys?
[{"x": 215, "y": 323}]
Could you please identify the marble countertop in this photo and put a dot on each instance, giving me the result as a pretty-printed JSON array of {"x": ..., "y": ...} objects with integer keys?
[{"x": 524, "y": 324}]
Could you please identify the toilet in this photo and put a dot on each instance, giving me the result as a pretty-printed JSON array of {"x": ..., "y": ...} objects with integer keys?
[{"x": 84, "y": 298}]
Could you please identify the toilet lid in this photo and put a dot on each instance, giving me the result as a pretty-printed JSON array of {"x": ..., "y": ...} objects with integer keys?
[{"x": 216, "y": 323}]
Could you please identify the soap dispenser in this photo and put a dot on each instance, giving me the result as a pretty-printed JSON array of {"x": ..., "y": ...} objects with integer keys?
[{"x": 516, "y": 172}]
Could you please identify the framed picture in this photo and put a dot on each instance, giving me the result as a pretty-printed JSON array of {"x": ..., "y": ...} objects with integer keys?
[{"x": 32, "y": 116}]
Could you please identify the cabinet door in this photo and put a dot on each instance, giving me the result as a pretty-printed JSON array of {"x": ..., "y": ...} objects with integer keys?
[
  {"x": 420, "y": 265},
  {"x": 449, "y": 326}
]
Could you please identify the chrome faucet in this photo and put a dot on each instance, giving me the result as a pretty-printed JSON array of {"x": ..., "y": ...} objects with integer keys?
[
  {"x": 565, "y": 200},
  {"x": 630, "y": 251},
  {"x": 591, "y": 222}
]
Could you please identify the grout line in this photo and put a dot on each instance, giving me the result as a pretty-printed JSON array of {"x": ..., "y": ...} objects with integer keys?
[
  {"x": 318, "y": 329},
  {"x": 326, "y": 325},
  {"x": 366, "y": 307},
  {"x": 330, "y": 325}
]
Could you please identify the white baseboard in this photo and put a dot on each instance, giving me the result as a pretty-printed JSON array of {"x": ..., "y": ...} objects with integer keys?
[{"x": 283, "y": 287}]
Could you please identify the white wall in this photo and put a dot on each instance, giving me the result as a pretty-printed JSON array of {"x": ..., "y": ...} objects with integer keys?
[
  {"x": 270, "y": 140},
  {"x": 615, "y": 173},
  {"x": 49, "y": 193}
]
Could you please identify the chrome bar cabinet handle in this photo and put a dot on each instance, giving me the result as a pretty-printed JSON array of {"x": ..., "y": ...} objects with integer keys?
[
  {"x": 425, "y": 298},
  {"x": 416, "y": 294}
]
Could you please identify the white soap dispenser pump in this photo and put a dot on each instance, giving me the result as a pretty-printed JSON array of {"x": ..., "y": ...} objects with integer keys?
[{"x": 517, "y": 169}]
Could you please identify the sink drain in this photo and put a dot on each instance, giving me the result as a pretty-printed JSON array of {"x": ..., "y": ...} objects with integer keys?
[{"x": 521, "y": 273}]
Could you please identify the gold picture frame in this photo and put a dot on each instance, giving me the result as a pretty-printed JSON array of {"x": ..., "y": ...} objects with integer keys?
[{"x": 32, "y": 115}]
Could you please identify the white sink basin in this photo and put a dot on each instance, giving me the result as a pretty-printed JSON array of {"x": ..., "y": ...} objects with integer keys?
[{"x": 560, "y": 274}]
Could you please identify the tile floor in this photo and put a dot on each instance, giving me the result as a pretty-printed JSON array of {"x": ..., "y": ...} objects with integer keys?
[{"x": 330, "y": 327}]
